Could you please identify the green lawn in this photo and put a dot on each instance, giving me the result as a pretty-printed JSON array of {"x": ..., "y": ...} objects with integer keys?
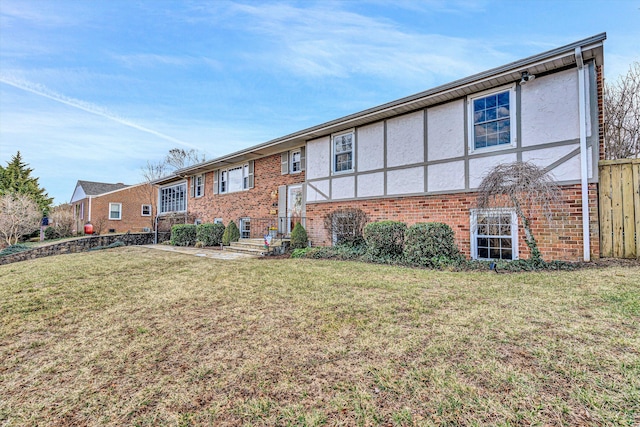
[{"x": 133, "y": 336}]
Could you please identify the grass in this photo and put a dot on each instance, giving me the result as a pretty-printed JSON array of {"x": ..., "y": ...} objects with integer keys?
[{"x": 133, "y": 336}]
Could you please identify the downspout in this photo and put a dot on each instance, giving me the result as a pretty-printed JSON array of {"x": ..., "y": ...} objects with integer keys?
[
  {"x": 89, "y": 216},
  {"x": 584, "y": 167}
]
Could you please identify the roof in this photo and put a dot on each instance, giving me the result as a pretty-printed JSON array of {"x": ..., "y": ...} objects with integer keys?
[
  {"x": 559, "y": 58},
  {"x": 92, "y": 188}
]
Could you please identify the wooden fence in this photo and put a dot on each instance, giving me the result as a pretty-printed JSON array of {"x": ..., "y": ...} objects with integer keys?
[{"x": 619, "y": 195}]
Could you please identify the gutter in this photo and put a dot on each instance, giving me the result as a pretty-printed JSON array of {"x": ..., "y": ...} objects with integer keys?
[
  {"x": 89, "y": 217},
  {"x": 584, "y": 167}
]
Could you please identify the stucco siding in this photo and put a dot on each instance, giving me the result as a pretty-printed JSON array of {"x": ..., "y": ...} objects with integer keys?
[
  {"x": 549, "y": 110},
  {"x": 405, "y": 139},
  {"x": 445, "y": 131},
  {"x": 318, "y": 191},
  {"x": 370, "y": 149},
  {"x": 479, "y": 167},
  {"x": 405, "y": 181},
  {"x": 446, "y": 176},
  {"x": 371, "y": 184},
  {"x": 343, "y": 188},
  {"x": 318, "y": 158}
]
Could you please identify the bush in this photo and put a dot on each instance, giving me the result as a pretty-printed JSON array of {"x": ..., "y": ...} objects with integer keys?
[
  {"x": 51, "y": 233},
  {"x": 231, "y": 234},
  {"x": 183, "y": 234},
  {"x": 210, "y": 234},
  {"x": 346, "y": 225},
  {"x": 299, "y": 238},
  {"x": 14, "y": 249},
  {"x": 300, "y": 253},
  {"x": 430, "y": 244},
  {"x": 385, "y": 239}
]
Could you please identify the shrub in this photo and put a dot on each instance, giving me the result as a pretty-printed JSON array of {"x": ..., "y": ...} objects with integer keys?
[
  {"x": 231, "y": 234},
  {"x": 14, "y": 249},
  {"x": 183, "y": 234},
  {"x": 346, "y": 225},
  {"x": 385, "y": 239},
  {"x": 430, "y": 244},
  {"x": 299, "y": 238},
  {"x": 51, "y": 233},
  {"x": 300, "y": 253},
  {"x": 210, "y": 234}
]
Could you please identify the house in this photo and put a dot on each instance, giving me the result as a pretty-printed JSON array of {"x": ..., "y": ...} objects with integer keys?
[
  {"x": 422, "y": 158},
  {"x": 114, "y": 208}
]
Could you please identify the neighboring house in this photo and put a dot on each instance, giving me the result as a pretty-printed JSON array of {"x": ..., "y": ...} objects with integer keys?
[
  {"x": 422, "y": 158},
  {"x": 114, "y": 208}
]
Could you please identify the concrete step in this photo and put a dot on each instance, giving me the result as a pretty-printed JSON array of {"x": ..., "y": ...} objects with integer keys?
[{"x": 253, "y": 246}]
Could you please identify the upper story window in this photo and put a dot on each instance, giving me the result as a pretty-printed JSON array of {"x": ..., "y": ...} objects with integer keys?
[
  {"x": 342, "y": 152},
  {"x": 197, "y": 186},
  {"x": 296, "y": 166},
  {"x": 237, "y": 178},
  {"x": 146, "y": 210},
  {"x": 492, "y": 114},
  {"x": 173, "y": 198},
  {"x": 115, "y": 211},
  {"x": 292, "y": 161},
  {"x": 495, "y": 234}
]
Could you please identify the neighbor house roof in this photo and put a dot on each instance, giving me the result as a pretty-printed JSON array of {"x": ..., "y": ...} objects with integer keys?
[
  {"x": 92, "y": 188},
  {"x": 563, "y": 57}
]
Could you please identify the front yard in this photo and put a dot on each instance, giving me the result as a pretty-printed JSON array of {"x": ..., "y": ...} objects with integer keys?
[{"x": 133, "y": 336}]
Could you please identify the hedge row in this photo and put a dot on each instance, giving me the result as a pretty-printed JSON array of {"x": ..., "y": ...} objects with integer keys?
[{"x": 190, "y": 234}]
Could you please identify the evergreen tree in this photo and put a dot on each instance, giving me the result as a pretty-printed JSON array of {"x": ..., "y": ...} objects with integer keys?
[{"x": 16, "y": 178}]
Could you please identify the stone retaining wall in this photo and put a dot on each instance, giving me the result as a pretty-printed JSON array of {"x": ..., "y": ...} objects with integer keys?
[{"x": 82, "y": 244}]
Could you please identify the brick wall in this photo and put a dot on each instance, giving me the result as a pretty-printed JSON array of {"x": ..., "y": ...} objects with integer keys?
[
  {"x": 560, "y": 239},
  {"x": 259, "y": 202},
  {"x": 132, "y": 199}
]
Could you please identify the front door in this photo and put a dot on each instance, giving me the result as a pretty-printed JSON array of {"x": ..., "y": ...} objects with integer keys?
[{"x": 295, "y": 207}]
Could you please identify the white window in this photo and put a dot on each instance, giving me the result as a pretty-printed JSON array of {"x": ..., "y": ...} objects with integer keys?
[
  {"x": 292, "y": 161},
  {"x": 235, "y": 179},
  {"x": 115, "y": 211},
  {"x": 342, "y": 152},
  {"x": 173, "y": 198},
  {"x": 296, "y": 165},
  {"x": 197, "y": 186},
  {"x": 217, "y": 221},
  {"x": 146, "y": 210},
  {"x": 245, "y": 228},
  {"x": 492, "y": 119},
  {"x": 494, "y": 234},
  {"x": 223, "y": 181}
]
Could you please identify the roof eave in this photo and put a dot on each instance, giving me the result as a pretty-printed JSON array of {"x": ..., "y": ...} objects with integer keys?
[{"x": 553, "y": 59}]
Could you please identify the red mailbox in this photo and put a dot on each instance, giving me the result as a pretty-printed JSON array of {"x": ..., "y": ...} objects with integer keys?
[{"x": 88, "y": 228}]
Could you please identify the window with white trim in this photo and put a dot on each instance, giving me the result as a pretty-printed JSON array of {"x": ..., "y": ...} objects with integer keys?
[
  {"x": 494, "y": 234},
  {"x": 115, "y": 211},
  {"x": 197, "y": 186},
  {"x": 146, "y": 210},
  {"x": 296, "y": 164},
  {"x": 217, "y": 221},
  {"x": 492, "y": 119},
  {"x": 237, "y": 178},
  {"x": 173, "y": 198},
  {"x": 342, "y": 152}
]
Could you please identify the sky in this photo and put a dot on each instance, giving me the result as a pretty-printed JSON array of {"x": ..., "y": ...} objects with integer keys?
[{"x": 94, "y": 89}]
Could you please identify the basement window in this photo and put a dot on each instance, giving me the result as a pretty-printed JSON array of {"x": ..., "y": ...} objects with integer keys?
[{"x": 494, "y": 235}]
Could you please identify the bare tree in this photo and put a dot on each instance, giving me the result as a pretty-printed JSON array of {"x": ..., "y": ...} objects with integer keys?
[
  {"x": 179, "y": 158},
  {"x": 62, "y": 219},
  {"x": 346, "y": 225},
  {"x": 19, "y": 215},
  {"x": 524, "y": 187},
  {"x": 622, "y": 115}
]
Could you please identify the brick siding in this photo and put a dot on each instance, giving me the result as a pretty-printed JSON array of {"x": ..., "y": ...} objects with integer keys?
[
  {"x": 559, "y": 239},
  {"x": 132, "y": 199},
  {"x": 261, "y": 201}
]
